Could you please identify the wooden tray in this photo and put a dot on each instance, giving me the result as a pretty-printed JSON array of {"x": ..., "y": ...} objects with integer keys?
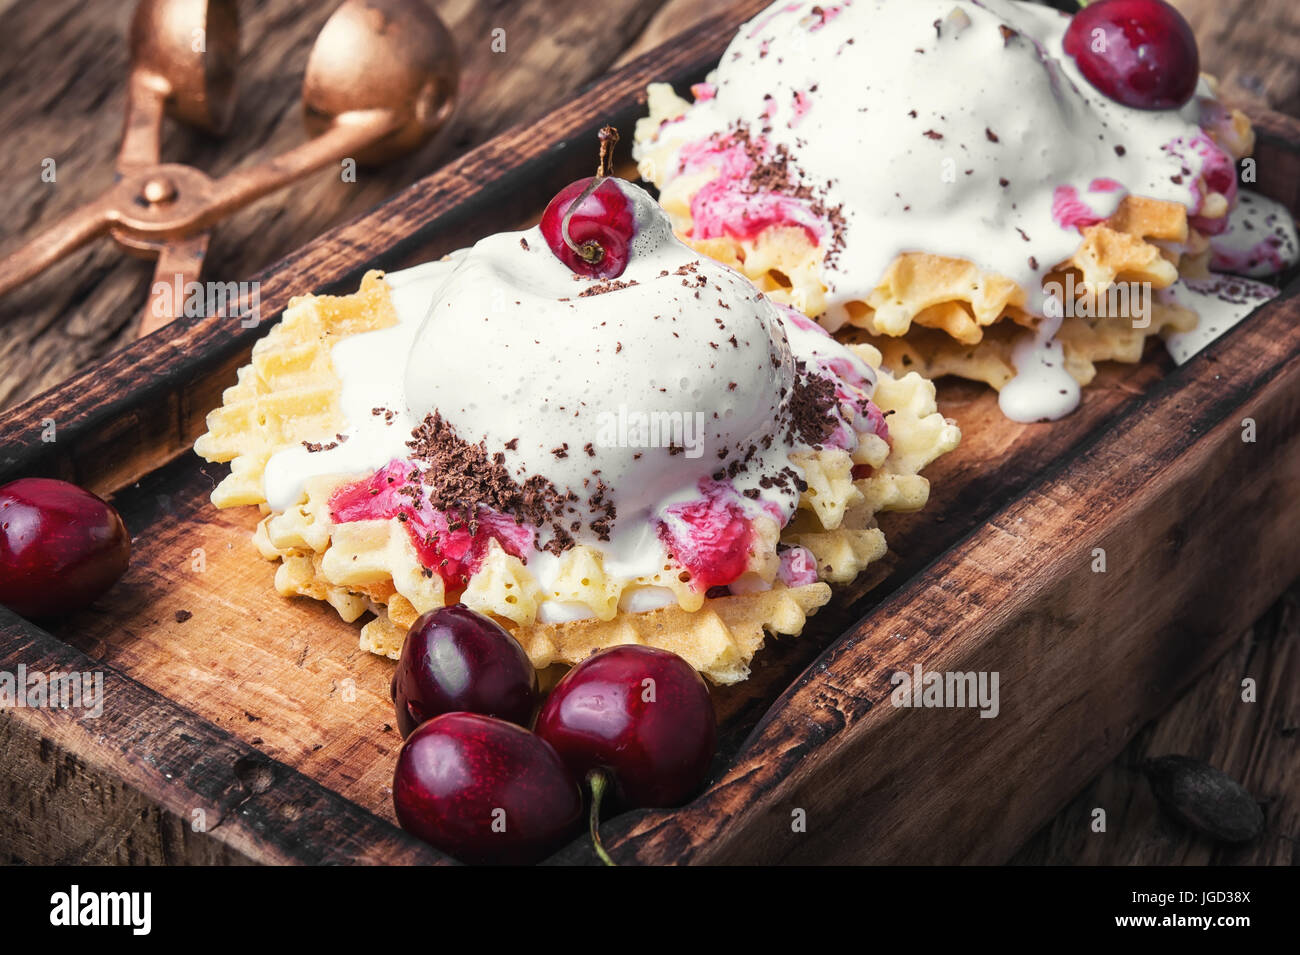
[{"x": 254, "y": 730}]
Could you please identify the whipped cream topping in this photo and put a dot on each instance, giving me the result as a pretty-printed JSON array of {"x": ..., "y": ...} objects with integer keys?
[
  {"x": 633, "y": 408},
  {"x": 951, "y": 127},
  {"x": 944, "y": 126},
  {"x": 941, "y": 126}
]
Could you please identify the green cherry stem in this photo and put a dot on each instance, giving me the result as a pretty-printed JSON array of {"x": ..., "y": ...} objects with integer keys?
[{"x": 597, "y": 780}]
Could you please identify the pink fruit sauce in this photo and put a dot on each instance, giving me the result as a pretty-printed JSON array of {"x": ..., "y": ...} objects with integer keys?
[
  {"x": 824, "y": 15},
  {"x": 802, "y": 103},
  {"x": 1219, "y": 174},
  {"x": 453, "y": 554},
  {"x": 1072, "y": 212},
  {"x": 761, "y": 25},
  {"x": 729, "y": 206},
  {"x": 703, "y": 92},
  {"x": 710, "y": 536}
]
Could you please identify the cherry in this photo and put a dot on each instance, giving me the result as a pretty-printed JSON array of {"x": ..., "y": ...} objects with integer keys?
[
  {"x": 589, "y": 225},
  {"x": 60, "y": 547},
  {"x": 485, "y": 791},
  {"x": 1147, "y": 57},
  {"x": 455, "y": 659},
  {"x": 636, "y": 718}
]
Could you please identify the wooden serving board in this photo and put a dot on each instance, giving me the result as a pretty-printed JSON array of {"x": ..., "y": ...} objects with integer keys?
[{"x": 242, "y": 727}]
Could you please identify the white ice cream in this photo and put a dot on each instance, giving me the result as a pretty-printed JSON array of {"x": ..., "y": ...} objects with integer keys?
[
  {"x": 554, "y": 371},
  {"x": 952, "y": 127}
]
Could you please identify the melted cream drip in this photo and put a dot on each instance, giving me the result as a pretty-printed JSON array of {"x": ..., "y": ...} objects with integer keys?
[{"x": 1042, "y": 389}]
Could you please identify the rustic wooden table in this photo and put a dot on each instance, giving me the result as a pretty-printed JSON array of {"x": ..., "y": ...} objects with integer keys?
[{"x": 62, "y": 72}]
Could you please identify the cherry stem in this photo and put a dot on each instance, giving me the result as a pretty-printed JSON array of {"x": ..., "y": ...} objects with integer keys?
[
  {"x": 597, "y": 780},
  {"x": 591, "y": 251},
  {"x": 608, "y": 137}
]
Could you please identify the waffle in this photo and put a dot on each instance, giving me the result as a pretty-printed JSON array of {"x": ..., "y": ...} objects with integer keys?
[
  {"x": 719, "y": 639},
  {"x": 946, "y": 316},
  {"x": 289, "y": 394},
  {"x": 1083, "y": 341}
]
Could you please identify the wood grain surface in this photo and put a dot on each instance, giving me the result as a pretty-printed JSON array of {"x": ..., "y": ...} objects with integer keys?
[
  {"x": 62, "y": 69},
  {"x": 171, "y": 786},
  {"x": 140, "y": 408},
  {"x": 1252, "y": 741}
]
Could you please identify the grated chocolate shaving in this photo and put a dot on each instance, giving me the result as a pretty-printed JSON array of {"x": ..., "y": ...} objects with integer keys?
[
  {"x": 600, "y": 288},
  {"x": 461, "y": 477},
  {"x": 813, "y": 404}
]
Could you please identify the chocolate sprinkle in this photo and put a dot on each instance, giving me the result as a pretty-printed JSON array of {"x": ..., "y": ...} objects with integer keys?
[
  {"x": 812, "y": 406},
  {"x": 600, "y": 288},
  {"x": 461, "y": 478},
  {"x": 314, "y": 447}
]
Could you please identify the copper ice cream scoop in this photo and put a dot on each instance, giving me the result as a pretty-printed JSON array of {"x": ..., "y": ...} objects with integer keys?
[{"x": 380, "y": 80}]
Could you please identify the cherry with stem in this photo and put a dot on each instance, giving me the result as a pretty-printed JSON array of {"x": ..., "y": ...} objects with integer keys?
[
  {"x": 635, "y": 723},
  {"x": 591, "y": 251},
  {"x": 590, "y": 223}
]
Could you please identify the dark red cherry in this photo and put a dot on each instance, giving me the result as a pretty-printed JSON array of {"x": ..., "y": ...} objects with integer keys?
[
  {"x": 60, "y": 547},
  {"x": 644, "y": 715},
  {"x": 634, "y": 718},
  {"x": 485, "y": 791},
  {"x": 600, "y": 229},
  {"x": 1140, "y": 53},
  {"x": 590, "y": 224},
  {"x": 457, "y": 660}
]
